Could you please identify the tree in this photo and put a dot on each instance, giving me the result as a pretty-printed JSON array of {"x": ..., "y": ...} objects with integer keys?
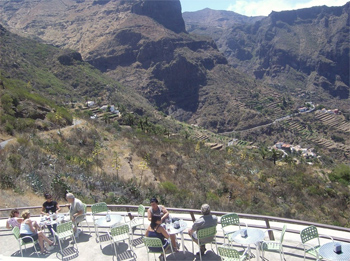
[
  {"x": 263, "y": 152},
  {"x": 117, "y": 163},
  {"x": 275, "y": 155}
]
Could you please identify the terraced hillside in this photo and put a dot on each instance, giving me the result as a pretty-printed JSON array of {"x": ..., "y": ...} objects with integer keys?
[{"x": 335, "y": 121}]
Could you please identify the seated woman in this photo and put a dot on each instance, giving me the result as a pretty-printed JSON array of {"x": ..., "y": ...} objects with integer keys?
[
  {"x": 14, "y": 219},
  {"x": 159, "y": 210},
  {"x": 30, "y": 228},
  {"x": 156, "y": 230},
  {"x": 50, "y": 206}
]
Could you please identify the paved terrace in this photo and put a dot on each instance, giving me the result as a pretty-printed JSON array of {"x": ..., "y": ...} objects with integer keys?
[{"x": 90, "y": 250}]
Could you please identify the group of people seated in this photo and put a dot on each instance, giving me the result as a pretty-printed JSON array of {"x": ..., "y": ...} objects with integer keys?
[
  {"x": 157, "y": 214},
  {"x": 30, "y": 228}
]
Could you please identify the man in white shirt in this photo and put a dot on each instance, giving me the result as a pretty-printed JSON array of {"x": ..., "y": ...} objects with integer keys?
[{"x": 76, "y": 211}]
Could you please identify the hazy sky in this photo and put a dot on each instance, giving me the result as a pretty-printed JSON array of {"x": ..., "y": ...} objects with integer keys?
[{"x": 255, "y": 7}]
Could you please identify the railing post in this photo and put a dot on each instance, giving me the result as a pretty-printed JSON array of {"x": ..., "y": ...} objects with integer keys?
[
  {"x": 129, "y": 214},
  {"x": 192, "y": 216},
  {"x": 271, "y": 235}
]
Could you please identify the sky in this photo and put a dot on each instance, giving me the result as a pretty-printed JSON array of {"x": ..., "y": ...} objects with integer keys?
[{"x": 255, "y": 7}]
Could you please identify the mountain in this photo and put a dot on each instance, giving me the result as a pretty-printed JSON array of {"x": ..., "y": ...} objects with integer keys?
[
  {"x": 304, "y": 52},
  {"x": 144, "y": 45},
  {"x": 37, "y": 81}
]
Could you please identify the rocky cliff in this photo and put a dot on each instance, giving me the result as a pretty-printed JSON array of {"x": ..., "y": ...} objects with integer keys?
[
  {"x": 304, "y": 51},
  {"x": 144, "y": 45}
]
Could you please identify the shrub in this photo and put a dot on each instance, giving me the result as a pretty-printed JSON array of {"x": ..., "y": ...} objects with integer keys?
[
  {"x": 341, "y": 174},
  {"x": 9, "y": 128}
]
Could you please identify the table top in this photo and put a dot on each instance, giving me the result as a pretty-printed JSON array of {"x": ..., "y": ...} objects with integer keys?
[
  {"x": 326, "y": 251},
  {"x": 102, "y": 222},
  {"x": 254, "y": 235},
  {"x": 173, "y": 231},
  {"x": 45, "y": 222}
]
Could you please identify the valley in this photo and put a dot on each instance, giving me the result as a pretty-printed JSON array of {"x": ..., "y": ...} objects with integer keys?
[{"x": 201, "y": 105}]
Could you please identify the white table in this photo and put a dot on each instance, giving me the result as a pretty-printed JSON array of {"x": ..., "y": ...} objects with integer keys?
[
  {"x": 254, "y": 236},
  {"x": 102, "y": 222},
  {"x": 174, "y": 231},
  {"x": 326, "y": 251}
]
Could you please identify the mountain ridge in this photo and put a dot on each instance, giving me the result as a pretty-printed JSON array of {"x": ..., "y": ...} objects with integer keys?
[
  {"x": 300, "y": 49},
  {"x": 183, "y": 75}
]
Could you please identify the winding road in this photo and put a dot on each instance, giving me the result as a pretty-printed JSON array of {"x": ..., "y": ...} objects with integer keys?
[{"x": 268, "y": 124}]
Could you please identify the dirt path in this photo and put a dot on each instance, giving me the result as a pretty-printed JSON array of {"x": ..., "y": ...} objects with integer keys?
[{"x": 76, "y": 122}]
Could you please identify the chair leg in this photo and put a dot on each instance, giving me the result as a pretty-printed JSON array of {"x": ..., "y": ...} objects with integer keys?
[
  {"x": 75, "y": 242},
  {"x": 59, "y": 242},
  {"x": 36, "y": 251},
  {"x": 200, "y": 252},
  {"x": 115, "y": 250},
  {"x": 88, "y": 226}
]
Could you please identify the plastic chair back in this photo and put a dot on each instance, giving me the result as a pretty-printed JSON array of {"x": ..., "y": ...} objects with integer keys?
[
  {"x": 153, "y": 245},
  {"x": 228, "y": 252},
  {"x": 141, "y": 210},
  {"x": 282, "y": 233},
  {"x": 229, "y": 220},
  {"x": 98, "y": 208},
  {"x": 206, "y": 232},
  {"x": 120, "y": 230},
  {"x": 308, "y": 234},
  {"x": 16, "y": 233},
  {"x": 65, "y": 229}
]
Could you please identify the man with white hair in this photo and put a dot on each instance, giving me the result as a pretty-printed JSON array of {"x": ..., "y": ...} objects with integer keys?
[
  {"x": 204, "y": 221},
  {"x": 76, "y": 211}
]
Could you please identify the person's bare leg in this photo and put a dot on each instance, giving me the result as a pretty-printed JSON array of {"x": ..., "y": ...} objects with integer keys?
[
  {"x": 41, "y": 244},
  {"x": 36, "y": 226},
  {"x": 173, "y": 241},
  {"x": 42, "y": 235}
]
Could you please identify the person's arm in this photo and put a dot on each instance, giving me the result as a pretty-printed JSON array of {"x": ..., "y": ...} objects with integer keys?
[
  {"x": 165, "y": 215},
  {"x": 149, "y": 214},
  {"x": 30, "y": 223},
  {"x": 164, "y": 232},
  {"x": 80, "y": 209},
  {"x": 196, "y": 225},
  {"x": 8, "y": 225},
  {"x": 43, "y": 211},
  {"x": 147, "y": 231},
  {"x": 58, "y": 209}
]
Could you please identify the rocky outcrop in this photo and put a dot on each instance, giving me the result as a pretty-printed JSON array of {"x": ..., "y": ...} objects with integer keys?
[
  {"x": 166, "y": 12},
  {"x": 306, "y": 49}
]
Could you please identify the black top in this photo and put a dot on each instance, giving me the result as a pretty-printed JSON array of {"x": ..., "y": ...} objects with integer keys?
[{"x": 50, "y": 206}]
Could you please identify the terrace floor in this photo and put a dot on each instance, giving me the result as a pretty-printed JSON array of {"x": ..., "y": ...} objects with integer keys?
[{"x": 89, "y": 249}]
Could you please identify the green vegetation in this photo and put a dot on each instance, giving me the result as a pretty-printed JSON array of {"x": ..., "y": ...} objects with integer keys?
[{"x": 341, "y": 174}]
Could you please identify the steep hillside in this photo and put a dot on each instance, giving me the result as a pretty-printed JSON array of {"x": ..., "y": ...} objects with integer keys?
[
  {"x": 37, "y": 81},
  {"x": 143, "y": 44},
  {"x": 304, "y": 52}
]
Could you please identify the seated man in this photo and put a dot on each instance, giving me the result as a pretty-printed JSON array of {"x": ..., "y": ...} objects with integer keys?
[
  {"x": 76, "y": 211},
  {"x": 204, "y": 221}
]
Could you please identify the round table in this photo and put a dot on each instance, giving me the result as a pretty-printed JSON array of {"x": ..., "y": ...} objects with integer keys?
[
  {"x": 326, "y": 251},
  {"x": 102, "y": 221},
  {"x": 173, "y": 231},
  {"x": 254, "y": 236}
]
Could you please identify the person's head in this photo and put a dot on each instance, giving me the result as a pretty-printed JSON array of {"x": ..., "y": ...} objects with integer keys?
[
  {"x": 156, "y": 220},
  {"x": 205, "y": 209},
  {"x": 154, "y": 203},
  {"x": 14, "y": 213},
  {"x": 25, "y": 214},
  {"x": 70, "y": 197},
  {"x": 48, "y": 197}
]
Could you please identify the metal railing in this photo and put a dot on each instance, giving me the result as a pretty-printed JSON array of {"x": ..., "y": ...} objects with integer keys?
[{"x": 192, "y": 212}]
